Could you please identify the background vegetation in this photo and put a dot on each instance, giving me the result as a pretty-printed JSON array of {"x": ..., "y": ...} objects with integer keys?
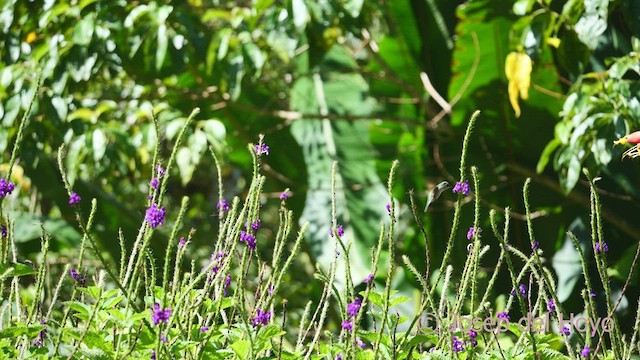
[{"x": 359, "y": 82}]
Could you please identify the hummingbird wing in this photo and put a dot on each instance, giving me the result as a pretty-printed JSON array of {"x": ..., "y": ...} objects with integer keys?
[{"x": 434, "y": 194}]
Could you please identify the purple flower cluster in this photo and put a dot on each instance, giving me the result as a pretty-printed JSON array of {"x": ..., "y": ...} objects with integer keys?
[
  {"x": 535, "y": 244},
  {"x": 462, "y": 187},
  {"x": 602, "y": 247},
  {"x": 6, "y": 188},
  {"x": 504, "y": 316},
  {"x": 204, "y": 329},
  {"x": 158, "y": 314},
  {"x": 566, "y": 330},
  {"x": 250, "y": 239},
  {"x": 368, "y": 278},
  {"x": 340, "y": 231},
  {"x": 284, "y": 195},
  {"x": 354, "y": 307},
  {"x": 472, "y": 335},
  {"x": 3, "y": 231},
  {"x": 155, "y": 181},
  {"x": 472, "y": 231},
  {"x": 388, "y": 208},
  {"x": 223, "y": 206},
  {"x": 261, "y": 318},
  {"x": 182, "y": 242},
  {"x": 551, "y": 305},
  {"x": 255, "y": 225},
  {"x": 261, "y": 149},
  {"x": 79, "y": 278},
  {"x": 585, "y": 351},
  {"x": 155, "y": 216},
  {"x": 218, "y": 259},
  {"x": 457, "y": 344},
  {"x": 74, "y": 199},
  {"x": 227, "y": 282},
  {"x": 347, "y": 325},
  {"x": 42, "y": 334},
  {"x": 522, "y": 289},
  {"x": 360, "y": 343}
]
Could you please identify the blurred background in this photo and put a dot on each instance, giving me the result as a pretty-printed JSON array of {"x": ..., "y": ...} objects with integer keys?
[{"x": 353, "y": 81}]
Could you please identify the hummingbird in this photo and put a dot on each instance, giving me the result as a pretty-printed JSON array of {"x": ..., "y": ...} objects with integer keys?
[{"x": 434, "y": 194}]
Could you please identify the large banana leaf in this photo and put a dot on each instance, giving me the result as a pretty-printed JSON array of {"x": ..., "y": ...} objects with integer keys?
[{"x": 360, "y": 194}]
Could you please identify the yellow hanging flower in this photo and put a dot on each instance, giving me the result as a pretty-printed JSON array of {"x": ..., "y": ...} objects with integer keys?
[
  {"x": 31, "y": 37},
  {"x": 518, "y": 67}
]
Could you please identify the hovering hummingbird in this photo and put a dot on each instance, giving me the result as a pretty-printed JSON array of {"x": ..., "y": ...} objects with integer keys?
[{"x": 434, "y": 194}]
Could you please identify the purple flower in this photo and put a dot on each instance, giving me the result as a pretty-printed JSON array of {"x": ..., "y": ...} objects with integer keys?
[
  {"x": 154, "y": 183},
  {"x": 160, "y": 171},
  {"x": 462, "y": 187},
  {"x": 42, "y": 334},
  {"x": 551, "y": 305},
  {"x": 261, "y": 149},
  {"x": 472, "y": 232},
  {"x": 223, "y": 205},
  {"x": 155, "y": 216},
  {"x": 457, "y": 344},
  {"x": 204, "y": 329},
  {"x": 74, "y": 199},
  {"x": 566, "y": 330},
  {"x": 249, "y": 239},
  {"x": 472, "y": 334},
  {"x": 340, "y": 231},
  {"x": 153, "y": 355},
  {"x": 593, "y": 293},
  {"x": 3, "y": 231},
  {"x": 535, "y": 244},
  {"x": 503, "y": 315},
  {"x": 602, "y": 246},
  {"x": 158, "y": 314},
  {"x": 585, "y": 352},
  {"x": 182, "y": 242},
  {"x": 227, "y": 282},
  {"x": 347, "y": 325},
  {"x": 338, "y": 357},
  {"x": 473, "y": 342},
  {"x": 360, "y": 343},
  {"x": 368, "y": 278},
  {"x": 284, "y": 195},
  {"x": 6, "y": 188},
  {"x": 389, "y": 208},
  {"x": 522, "y": 289},
  {"x": 354, "y": 307},
  {"x": 255, "y": 225},
  {"x": 74, "y": 274},
  {"x": 163, "y": 338},
  {"x": 79, "y": 278},
  {"x": 261, "y": 318}
]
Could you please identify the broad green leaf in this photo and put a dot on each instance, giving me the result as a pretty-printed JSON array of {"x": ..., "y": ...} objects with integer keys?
[
  {"x": 163, "y": 42},
  {"x": 566, "y": 261},
  {"x": 99, "y": 141},
  {"x": 16, "y": 270},
  {"x": 14, "y": 332},
  {"x": 360, "y": 194},
  {"x": 83, "y": 31},
  {"x": 241, "y": 348}
]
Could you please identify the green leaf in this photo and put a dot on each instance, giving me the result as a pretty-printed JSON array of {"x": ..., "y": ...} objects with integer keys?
[
  {"x": 83, "y": 31},
  {"x": 16, "y": 270},
  {"x": 546, "y": 155},
  {"x": 163, "y": 42},
  {"x": 99, "y": 141},
  {"x": 14, "y": 332},
  {"x": 566, "y": 261},
  {"x": 360, "y": 192},
  {"x": 241, "y": 348},
  {"x": 300, "y": 13}
]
